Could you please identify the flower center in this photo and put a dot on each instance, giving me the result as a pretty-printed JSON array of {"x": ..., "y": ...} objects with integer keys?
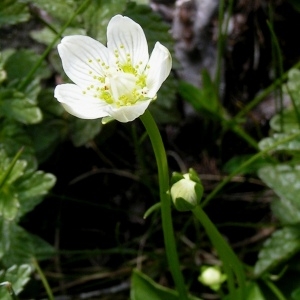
[{"x": 122, "y": 84}]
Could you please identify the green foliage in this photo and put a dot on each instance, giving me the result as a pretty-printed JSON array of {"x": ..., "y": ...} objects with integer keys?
[
  {"x": 236, "y": 161},
  {"x": 13, "y": 137},
  {"x": 154, "y": 27},
  {"x": 204, "y": 100},
  {"x": 46, "y": 135},
  {"x": 17, "y": 246},
  {"x": 18, "y": 276},
  {"x": 97, "y": 16},
  {"x": 144, "y": 288},
  {"x": 57, "y": 8},
  {"x": 16, "y": 66},
  {"x": 22, "y": 186},
  {"x": 83, "y": 131},
  {"x": 32, "y": 120},
  {"x": 296, "y": 293},
  {"x": 292, "y": 86},
  {"x": 46, "y": 35},
  {"x": 164, "y": 107},
  {"x": 283, "y": 178},
  {"x": 20, "y": 189},
  {"x": 282, "y": 244},
  {"x": 253, "y": 291},
  {"x": 295, "y": 4},
  {"x": 286, "y": 211},
  {"x": 236, "y": 280},
  {"x": 13, "y": 12},
  {"x": 273, "y": 142},
  {"x": 16, "y": 106}
]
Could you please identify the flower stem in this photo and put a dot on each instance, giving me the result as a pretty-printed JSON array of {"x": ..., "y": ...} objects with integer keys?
[
  {"x": 261, "y": 96},
  {"x": 166, "y": 214},
  {"x": 248, "y": 162},
  {"x": 275, "y": 290},
  {"x": 43, "y": 279},
  {"x": 231, "y": 264}
]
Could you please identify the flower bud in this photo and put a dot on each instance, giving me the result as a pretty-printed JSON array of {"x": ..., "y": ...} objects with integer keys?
[
  {"x": 186, "y": 190},
  {"x": 212, "y": 277}
]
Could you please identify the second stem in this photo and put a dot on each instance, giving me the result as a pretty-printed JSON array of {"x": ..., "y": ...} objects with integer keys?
[{"x": 165, "y": 200}]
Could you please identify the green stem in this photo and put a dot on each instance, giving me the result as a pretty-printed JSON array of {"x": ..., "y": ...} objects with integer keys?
[
  {"x": 244, "y": 165},
  {"x": 275, "y": 290},
  {"x": 222, "y": 29},
  {"x": 232, "y": 265},
  {"x": 43, "y": 278},
  {"x": 234, "y": 127},
  {"x": 220, "y": 44},
  {"x": 278, "y": 62},
  {"x": 166, "y": 213},
  {"x": 264, "y": 94}
]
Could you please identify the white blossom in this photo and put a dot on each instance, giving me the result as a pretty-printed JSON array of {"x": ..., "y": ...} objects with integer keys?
[{"x": 114, "y": 82}]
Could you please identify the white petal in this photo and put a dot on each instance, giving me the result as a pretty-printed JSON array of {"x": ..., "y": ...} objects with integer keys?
[
  {"x": 129, "y": 113},
  {"x": 82, "y": 57},
  {"x": 122, "y": 31},
  {"x": 78, "y": 104},
  {"x": 160, "y": 64}
]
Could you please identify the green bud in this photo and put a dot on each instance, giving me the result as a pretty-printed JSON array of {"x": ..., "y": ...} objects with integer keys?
[
  {"x": 212, "y": 277},
  {"x": 186, "y": 190}
]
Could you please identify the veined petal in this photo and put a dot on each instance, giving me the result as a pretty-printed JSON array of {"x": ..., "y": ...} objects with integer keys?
[
  {"x": 79, "y": 105},
  {"x": 129, "y": 113},
  {"x": 126, "y": 39},
  {"x": 84, "y": 59},
  {"x": 160, "y": 64}
]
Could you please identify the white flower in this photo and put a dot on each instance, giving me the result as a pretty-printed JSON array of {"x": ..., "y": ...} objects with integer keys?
[{"x": 118, "y": 81}]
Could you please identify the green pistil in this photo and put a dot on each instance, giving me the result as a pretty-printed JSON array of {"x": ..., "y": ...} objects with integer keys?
[
  {"x": 127, "y": 99},
  {"x": 141, "y": 81},
  {"x": 128, "y": 68},
  {"x": 106, "y": 96}
]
